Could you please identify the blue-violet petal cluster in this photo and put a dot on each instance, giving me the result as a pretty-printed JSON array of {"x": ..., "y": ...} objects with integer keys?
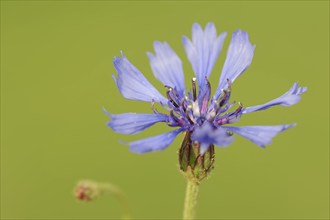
[{"x": 207, "y": 118}]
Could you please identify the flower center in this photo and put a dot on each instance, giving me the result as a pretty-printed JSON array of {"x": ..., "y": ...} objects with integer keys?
[{"x": 196, "y": 108}]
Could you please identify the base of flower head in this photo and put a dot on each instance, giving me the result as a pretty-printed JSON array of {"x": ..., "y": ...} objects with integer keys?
[{"x": 195, "y": 166}]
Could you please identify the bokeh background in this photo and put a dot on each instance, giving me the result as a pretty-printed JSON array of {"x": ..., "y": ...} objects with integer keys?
[{"x": 56, "y": 67}]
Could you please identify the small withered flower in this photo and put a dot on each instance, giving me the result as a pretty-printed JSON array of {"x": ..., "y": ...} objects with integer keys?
[
  {"x": 90, "y": 190},
  {"x": 87, "y": 190},
  {"x": 205, "y": 119}
]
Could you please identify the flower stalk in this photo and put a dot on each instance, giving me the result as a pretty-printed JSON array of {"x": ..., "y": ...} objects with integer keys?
[
  {"x": 189, "y": 211},
  {"x": 119, "y": 195},
  {"x": 195, "y": 167}
]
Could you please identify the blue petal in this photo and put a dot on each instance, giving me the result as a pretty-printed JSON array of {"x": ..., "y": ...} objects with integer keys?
[
  {"x": 155, "y": 143},
  {"x": 204, "y": 50},
  {"x": 132, "y": 84},
  {"x": 167, "y": 67},
  {"x": 207, "y": 135},
  {"x": 260, "y": 135},
  {"x": 239, "y": 57},
  {"x": 132, "y": 123},
  {"x": 291, "y": 97}
]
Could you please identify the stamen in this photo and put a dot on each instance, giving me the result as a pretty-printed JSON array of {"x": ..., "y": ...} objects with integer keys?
[
  {"x": 173, "y": 90},
  {"x": 174, "y": 116},
  {"x": 173, "y": 120},
  {"x": 206, "y": 97},
  {"x": 153, "y": 107},
  {"x": 228, "y": 106},
  {"x": 193, "y": 81},
  {"x": 226, "y": 95},
  {"x": 189, "y": 114},
  {"x": 235, "y": 116},
  {"x": 223, "y": 99},
  {"x": 238, "y": 110},
  {"x": 231, "y": 117},
  {"x": 229, "y": 84},
  {"x": 170, "y": 97},
  {"x": 183, "y": 104}
]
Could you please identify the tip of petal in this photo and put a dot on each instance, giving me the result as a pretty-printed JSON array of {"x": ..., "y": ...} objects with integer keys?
[
  {"x": 122, "y": 53},
  {"x": 185, "y": 40},
  {"x": 117, "y": 61},
  {"x": 303, "y": 90},
  {"x": 137, "y": 150},
  {"x": 196, "y": 24},
  {"x": 223, "y": 35},
  {"x": 241, "y": 34},
  {"x": 196, "y": 27},
  {"x": 210, "y": 24},
  {"x": 106, "y": 112},
  {"x": 114, "y": 78},
  {"x": 238, "y": 31},
  {"x": 157, "y": 44},
  {"x": 150, "y": 55},
  {"x": 294, "y": 87},
  {"x": 210, "y": 27},
  {"x": 285, "y": 127}
]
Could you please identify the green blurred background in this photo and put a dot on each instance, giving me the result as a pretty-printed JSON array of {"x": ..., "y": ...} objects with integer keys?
[{"x": 56, "y": 66}]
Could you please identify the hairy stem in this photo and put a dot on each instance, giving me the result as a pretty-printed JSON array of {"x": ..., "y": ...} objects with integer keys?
[
  {"x": 109, "y": 188},
  {"x": 190, "y": 200}
]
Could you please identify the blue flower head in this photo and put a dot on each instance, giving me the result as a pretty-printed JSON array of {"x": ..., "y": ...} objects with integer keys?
[{"x": 205, "y": 118}]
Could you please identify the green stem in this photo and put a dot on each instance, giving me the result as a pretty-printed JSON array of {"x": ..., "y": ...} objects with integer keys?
[
  {"x": 190, "y": 200},
  {"x": 109, "y": 188}
]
